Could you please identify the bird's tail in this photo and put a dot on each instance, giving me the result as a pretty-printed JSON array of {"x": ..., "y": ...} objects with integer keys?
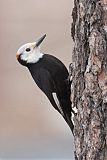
[{"x": 69, "y": 122}]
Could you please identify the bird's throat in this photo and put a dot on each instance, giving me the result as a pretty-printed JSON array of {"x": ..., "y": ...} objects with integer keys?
[{"x": 35, "y": 57}]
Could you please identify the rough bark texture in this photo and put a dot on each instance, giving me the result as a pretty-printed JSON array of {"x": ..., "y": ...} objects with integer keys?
[{"x": 89, "y": 86}]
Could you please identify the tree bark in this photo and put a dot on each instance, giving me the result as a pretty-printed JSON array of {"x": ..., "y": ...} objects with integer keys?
[{"x": 89, "y": 83}]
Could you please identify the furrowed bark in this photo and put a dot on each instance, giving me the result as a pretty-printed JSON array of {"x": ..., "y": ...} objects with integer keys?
[{"x": 89, "y": 85}]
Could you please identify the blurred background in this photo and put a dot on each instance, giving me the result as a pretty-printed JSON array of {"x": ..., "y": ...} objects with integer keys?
[{"x": 30, "y": 128}]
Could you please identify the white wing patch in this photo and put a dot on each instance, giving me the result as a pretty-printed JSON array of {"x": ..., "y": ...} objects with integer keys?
[{"x": 57, "y": 103}]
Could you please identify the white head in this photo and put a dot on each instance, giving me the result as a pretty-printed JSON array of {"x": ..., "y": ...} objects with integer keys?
[{"x": 30, "y": 52}]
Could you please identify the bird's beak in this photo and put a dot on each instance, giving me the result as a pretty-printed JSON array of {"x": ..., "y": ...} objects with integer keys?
[{"x": 40, "y": 40}]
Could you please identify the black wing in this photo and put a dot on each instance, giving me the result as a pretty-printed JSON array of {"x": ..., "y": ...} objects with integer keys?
[
  {"x": 60, "y": 103},
  {"x": 55, "y": 67},
  {"x": 45, "y": 82},
  {"x": 58, "y": 96}
]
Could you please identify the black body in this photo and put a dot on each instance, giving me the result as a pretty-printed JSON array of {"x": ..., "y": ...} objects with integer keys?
[{"x": 51, "y": 76}]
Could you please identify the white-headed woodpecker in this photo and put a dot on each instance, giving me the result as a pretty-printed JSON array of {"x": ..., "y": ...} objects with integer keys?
[{"x": 50, "y": 75}]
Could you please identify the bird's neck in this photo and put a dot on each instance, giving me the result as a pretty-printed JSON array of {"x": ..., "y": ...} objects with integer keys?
[{"x": 35, "y": 57}]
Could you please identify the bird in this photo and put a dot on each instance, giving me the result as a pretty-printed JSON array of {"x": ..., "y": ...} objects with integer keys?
[{"x": 50, "y": 75}]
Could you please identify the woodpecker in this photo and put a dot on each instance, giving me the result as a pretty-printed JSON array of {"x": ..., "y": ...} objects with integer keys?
[{"x": 50, "y": 75}]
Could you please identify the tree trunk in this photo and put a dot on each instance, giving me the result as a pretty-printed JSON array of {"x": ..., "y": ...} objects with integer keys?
[{"x": 89, "y": 84}]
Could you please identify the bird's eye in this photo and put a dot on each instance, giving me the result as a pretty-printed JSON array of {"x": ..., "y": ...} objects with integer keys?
[{"x": 28, "y": 49}]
